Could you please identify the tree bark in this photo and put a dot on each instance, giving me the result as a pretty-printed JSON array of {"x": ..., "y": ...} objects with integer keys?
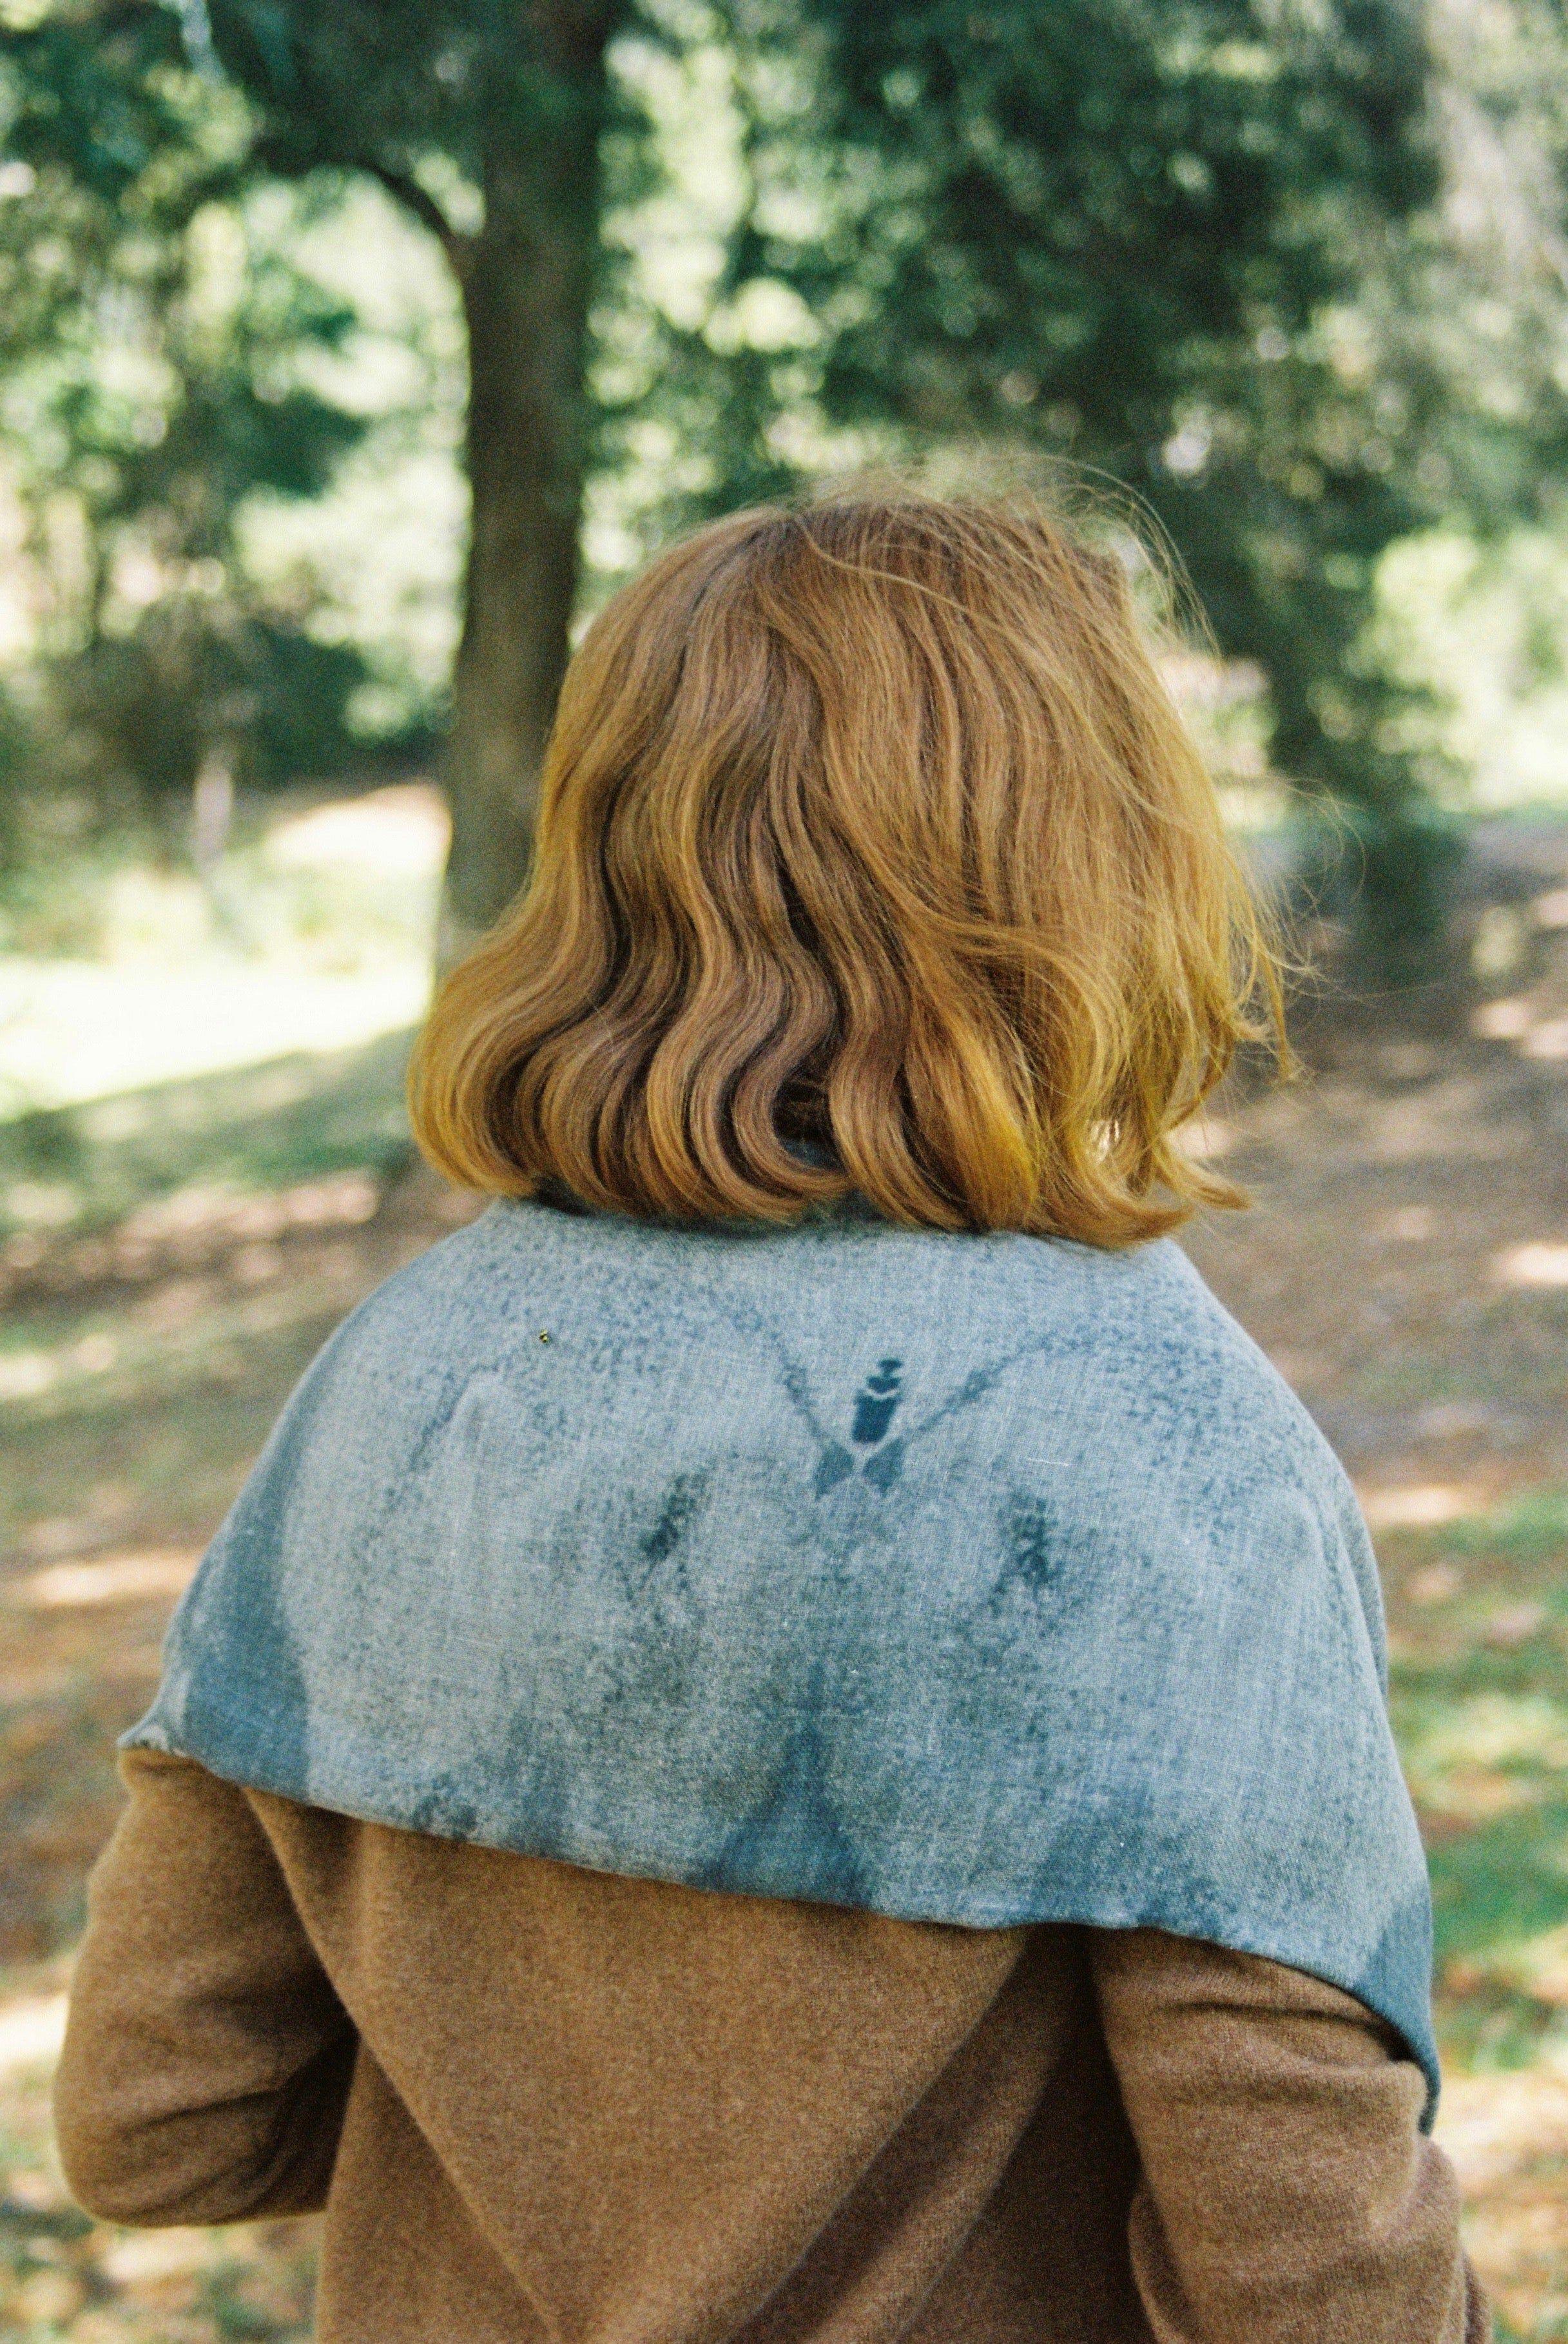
[{"x": 527, "y": 278}]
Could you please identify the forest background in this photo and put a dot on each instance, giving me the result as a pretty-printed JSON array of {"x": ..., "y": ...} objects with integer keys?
[
  {"x": 349, "y": 356},
  {"x": 276, "y": 280}
]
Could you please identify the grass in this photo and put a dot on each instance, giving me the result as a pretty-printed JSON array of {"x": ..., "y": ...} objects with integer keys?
[
  {"x": 1479, "y": 1703},
  {"x": 91, "y": 1165}
]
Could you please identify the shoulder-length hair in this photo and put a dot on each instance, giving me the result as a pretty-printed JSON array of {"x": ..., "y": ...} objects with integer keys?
[{"x": 870, "y": 826}]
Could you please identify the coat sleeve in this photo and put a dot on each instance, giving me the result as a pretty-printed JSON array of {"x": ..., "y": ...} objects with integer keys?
[
  {"x": 207, "y": 2059},
  {"x": 1288, "y": 2194}
]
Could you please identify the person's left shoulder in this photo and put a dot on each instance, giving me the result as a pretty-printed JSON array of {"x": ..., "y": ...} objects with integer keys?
[{"x": 1172, "y": 1372}]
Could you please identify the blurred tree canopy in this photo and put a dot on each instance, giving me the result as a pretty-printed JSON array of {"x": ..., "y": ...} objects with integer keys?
[
  {"x": 1134, "y": 222},
  {"x": 1294, "y": 276},
  {"x": 1290, "y": 271},
  {"x": 485, "y": 120},
  {"x": 150, "y": 386}
]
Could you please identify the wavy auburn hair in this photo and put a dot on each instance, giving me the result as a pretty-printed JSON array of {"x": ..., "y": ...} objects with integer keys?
[{"x": 870, "y": 824}]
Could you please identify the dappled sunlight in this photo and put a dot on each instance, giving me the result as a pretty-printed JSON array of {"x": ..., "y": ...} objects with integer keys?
[
  {"x": 403, "y": 829},
  {"x": 1438, "y": 1582},
  {"x": 1281, "y": 316},
  {"x": 1418, "y": 1505},
  {"x": 1501, "y": 1021},
  {"x": 1205, "y": 1139},
  {"x": 79, "y": 1030},
  {"x": 1473, "y": 1738},
  {"x": 117, "y": 1579},
  {"x": 1547, "y": 1040},
  {"x": 1514, "y": 1623},
  {"x": 24, "y": 1374},
  {"x": 1534, "y": 1967},
  {"x": 31, "y": 2030},
  {"x": 1507, "y": 2137},
  {"x": 1533, "y": 1265},
  {"x": 64, "y": 2277},
  {"x": 1403, "y": 1267},
  {"x": 1472, "y": 1760},
  {"x": 131, "y": 1185},
  {"x": 314, "y": 938}
]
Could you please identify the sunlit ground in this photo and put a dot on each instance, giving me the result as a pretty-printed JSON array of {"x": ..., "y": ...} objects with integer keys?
[
  {"x": 177, "y": 1252},
  {"x": 314, "y": 938}
]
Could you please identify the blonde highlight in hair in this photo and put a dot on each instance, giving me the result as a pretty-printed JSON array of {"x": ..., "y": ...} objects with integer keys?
[{"x": 872, "y": 825}]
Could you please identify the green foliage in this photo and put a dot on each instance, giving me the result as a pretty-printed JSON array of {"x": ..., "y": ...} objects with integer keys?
[
  {"x": 1390, "y": 867},
  {"x": 1471, "y": 317},
  {"x": 1236, "y": 260},
  {"x": 1483, "y": 1729},
  {"x": 151, "y": 702},
  {"x": 151, "y": 378},
  {"x": 485, "y": 121},
  {"x": 1135, "y": 236},
  {"x": 1290, "y": 275},
  {"x": 421, "y": 95}
]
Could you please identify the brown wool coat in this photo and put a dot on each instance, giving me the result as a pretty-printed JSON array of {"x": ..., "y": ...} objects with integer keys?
[{"x": 543, "y": 2103}]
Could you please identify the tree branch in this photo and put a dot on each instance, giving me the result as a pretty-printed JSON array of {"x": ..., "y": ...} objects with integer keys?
[{"x": 419, "y": 200}]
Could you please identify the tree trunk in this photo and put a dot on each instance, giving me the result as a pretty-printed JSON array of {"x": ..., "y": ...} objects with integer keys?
[{"x": 527, "y": 278}]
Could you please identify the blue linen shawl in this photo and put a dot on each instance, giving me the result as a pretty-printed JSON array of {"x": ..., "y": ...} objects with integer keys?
[{"x": 983, "y": 1580}]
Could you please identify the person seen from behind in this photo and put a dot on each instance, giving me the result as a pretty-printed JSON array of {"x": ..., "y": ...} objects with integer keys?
[{"x": 788, "y": 1739}]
